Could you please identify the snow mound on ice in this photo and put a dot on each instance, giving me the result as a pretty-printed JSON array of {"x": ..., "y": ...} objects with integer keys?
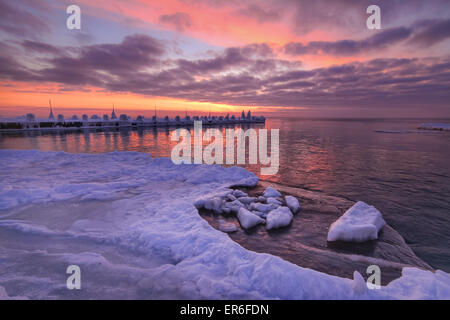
[
  {"x": 280, "y": 217},
  {"x": 130, "y": 224},
  {"x": 360, "y": 223}
]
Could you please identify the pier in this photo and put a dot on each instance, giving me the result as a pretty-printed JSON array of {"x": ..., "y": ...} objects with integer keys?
[{"x": 30, "y": 122}]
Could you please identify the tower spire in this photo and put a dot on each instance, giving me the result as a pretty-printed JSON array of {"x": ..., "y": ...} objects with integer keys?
[
  {"x": 51, "y": 116},
  {"x": 113, "y": 113}
]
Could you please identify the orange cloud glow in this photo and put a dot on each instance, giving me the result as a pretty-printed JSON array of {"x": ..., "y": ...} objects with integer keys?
[
  {"x": 22, "y": 97},
  {"x": 221, "y": 26}
]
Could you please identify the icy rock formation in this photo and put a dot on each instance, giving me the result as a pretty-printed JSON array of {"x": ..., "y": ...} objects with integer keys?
[
  {"x": 260, "y": 214},
  {"x": 360, "y": 223},
  {"x": 280, "y": 217},
  {"x": 214, "y": 204},
  {"x": 234, "y": 206},
  {"x": 261, "y": 199},
  {"x": 247, "y": 219},
  {"x": 226, "y": 210},
  {"x": 271, "y": 193},
  {"x": 262, "y": 207},
  {"x": 239, "y": 194},
  {"x": 247, "y": 200},
  {"x": 292, "y": 203},
  {"x": 274, "y": 201}
]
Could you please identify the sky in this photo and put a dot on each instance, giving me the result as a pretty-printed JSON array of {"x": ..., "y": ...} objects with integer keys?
[{"x": 289, "y": 58}]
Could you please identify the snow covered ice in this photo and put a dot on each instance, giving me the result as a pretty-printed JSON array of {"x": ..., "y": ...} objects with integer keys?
[
  {"x": 130, "y": 223},
  {"x": 359, "y": 223}
]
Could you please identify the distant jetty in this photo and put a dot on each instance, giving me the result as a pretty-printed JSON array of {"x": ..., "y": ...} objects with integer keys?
[
  {"x": 435, "y": 126},
  {"x": 30, "y": 122}
]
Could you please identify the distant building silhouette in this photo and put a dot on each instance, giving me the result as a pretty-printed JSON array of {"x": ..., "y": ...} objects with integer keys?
[
  {"x": 30, "y": 117},
  {"x": 113, "y": 114},
  {"x": 51, "y": 116}
]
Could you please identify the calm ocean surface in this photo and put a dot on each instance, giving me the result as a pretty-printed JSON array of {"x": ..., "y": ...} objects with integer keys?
[{"x": 406, "y": 175}]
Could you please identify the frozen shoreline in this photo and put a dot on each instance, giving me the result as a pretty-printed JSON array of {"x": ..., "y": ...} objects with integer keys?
[{"x": 129, "y": 222}]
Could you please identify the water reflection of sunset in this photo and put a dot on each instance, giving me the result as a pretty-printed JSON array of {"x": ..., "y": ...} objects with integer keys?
[{"x": 303, "y": 158}]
